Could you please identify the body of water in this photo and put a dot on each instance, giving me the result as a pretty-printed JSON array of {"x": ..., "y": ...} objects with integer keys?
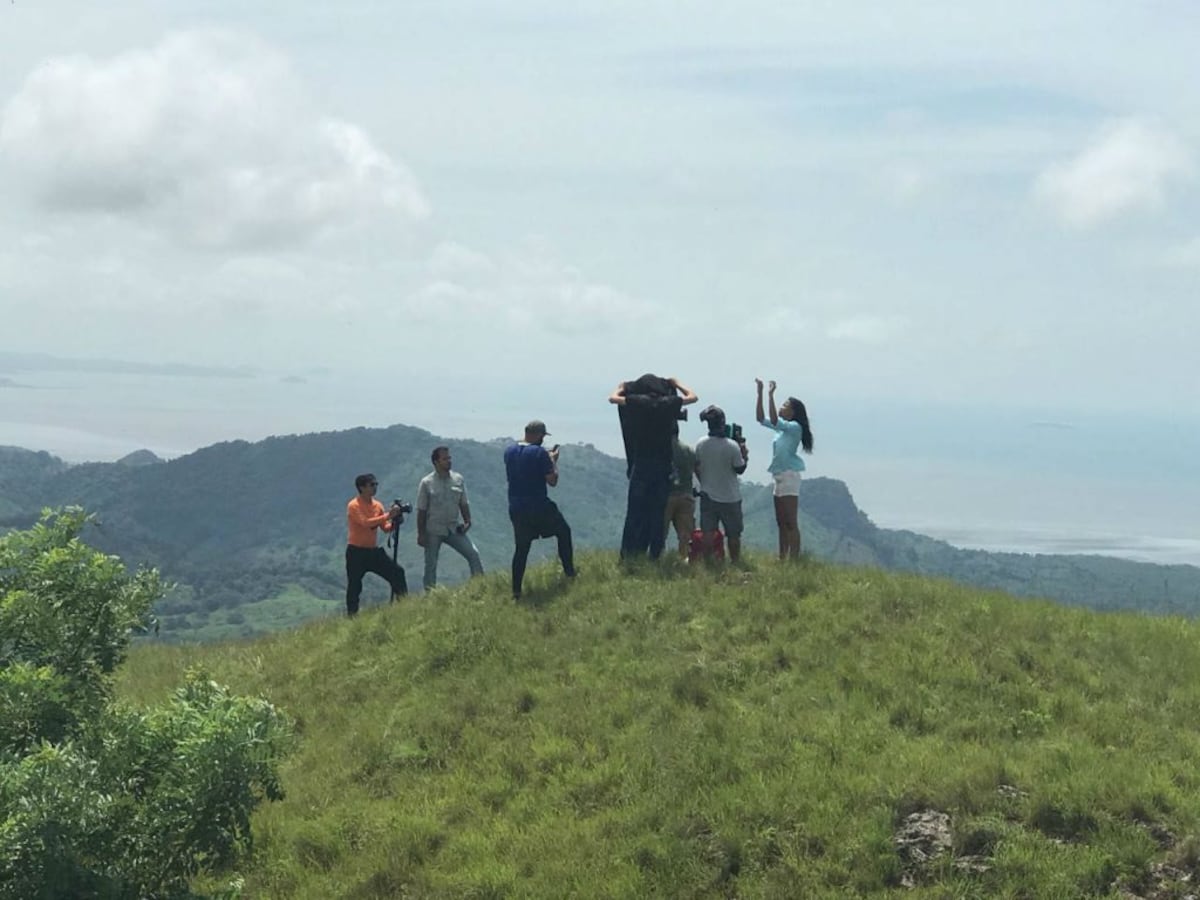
[{"x": 1140, "y": 548}]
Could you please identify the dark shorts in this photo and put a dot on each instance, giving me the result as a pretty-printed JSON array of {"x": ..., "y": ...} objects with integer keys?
[
  {"x": 528, "y": 525},
  {"x": 727, "y": 515}
]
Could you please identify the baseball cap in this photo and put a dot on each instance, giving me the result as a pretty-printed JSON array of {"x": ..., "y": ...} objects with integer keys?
[{"x": 537, "y": 426}]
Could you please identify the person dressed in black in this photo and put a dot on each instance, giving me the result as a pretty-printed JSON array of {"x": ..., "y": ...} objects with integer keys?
[
  {"x": 649, "y": 408},
  {"x": 531, "y": 469},
  {"x": 364, "y": 516}
]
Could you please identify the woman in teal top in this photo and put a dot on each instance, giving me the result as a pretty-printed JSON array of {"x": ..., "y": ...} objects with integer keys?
[{"x": 792, "y": 432}]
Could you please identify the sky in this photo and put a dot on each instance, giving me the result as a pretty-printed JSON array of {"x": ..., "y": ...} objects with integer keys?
[{"x": 965, "y": 234}]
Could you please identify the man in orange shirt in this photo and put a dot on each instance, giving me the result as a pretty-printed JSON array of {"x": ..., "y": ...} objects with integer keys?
[{"x": 364, "y": 514}]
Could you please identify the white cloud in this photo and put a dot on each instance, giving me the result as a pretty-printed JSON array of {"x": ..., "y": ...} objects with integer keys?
[
  {"x": 904, "y": 183},
  {"x": 781, "y": 321},
  {"x": 1127, "y": 168},
  {"x": 866, "y": 329},
  {"x": 452, "y": 260},
  {"x": 524, "y": 288},
  {"x": 208, "y": 136},
  {"x": 1182, "y": 256}
]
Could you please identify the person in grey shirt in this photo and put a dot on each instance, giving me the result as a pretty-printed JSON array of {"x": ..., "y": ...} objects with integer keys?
[
  {"x": 441, "y": 500},
  {"x": 719, "y": 462}
]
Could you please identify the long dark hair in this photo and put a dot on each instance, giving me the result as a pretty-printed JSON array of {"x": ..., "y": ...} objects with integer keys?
[{"x": 800, "y": 414}]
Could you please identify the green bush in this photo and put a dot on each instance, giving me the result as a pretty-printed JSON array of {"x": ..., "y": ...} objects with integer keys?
[{"x": 99, "y": 799}]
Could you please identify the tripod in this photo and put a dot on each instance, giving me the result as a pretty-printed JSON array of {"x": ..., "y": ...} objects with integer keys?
[{"x": 393, "y": 541}]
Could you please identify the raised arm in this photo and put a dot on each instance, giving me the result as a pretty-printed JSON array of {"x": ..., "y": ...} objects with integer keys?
[
  {"x": 758, "y": 407},
  {"x": 618, "y": 394},
  {"x": 688, "y": 395},
  {"x": 771, "y": 403}
]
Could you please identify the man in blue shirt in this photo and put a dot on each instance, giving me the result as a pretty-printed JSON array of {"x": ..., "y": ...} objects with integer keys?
[{"x": 531, "y": 469}]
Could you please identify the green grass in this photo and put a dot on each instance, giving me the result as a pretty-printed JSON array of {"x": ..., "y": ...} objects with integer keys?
[{"x": 752, "y": 732}]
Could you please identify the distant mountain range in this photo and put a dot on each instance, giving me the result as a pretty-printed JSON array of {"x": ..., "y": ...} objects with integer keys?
[{"x": 237, "y": 523}]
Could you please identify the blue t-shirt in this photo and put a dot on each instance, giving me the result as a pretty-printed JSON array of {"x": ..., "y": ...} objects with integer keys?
[
  {"x": 785, "y": 449},
  {"x": 527, "y": 466}
]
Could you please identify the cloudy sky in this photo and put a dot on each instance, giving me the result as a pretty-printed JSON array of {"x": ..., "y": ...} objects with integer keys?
[{"x": 967, "y": 234}]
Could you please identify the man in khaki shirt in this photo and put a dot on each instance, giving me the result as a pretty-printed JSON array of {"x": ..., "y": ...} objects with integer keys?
[{"x": 441, "y": 501}]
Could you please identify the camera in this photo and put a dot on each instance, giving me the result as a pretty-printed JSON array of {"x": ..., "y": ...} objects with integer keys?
[{"x": 405, "y": 508}]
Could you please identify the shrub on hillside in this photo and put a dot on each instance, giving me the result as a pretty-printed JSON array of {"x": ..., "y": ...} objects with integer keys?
[{"x": 96, "y": 799}]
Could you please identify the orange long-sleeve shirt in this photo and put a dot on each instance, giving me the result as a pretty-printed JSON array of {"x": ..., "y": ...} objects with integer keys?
[{"x": 362, "y": 518}]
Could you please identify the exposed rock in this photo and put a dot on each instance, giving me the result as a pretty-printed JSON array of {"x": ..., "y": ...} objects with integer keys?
[
  {"x": 1165, "y": 882},
  {"x": 975, "y": 865},
  {"x": 921, "y": 839},
  {"x": 1011, "y": 792}
]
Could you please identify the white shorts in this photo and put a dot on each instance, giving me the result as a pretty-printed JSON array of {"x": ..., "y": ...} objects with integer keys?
[{"x": 787, "y": 484}]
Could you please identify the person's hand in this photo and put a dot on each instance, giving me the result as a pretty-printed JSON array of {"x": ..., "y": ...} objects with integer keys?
[
  {"x": 745, "y": 450},
  {"x": 758, "y": 384},
  {"x": 422, "y": 539},
  {"x": 465, "y": 527},
  {"x": 553, "y": 454},
  {"x": 771, "y": 387}
]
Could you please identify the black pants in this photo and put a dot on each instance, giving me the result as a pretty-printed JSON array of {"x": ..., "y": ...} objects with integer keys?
[
  {"x": 528, "y": 526},
  {"x": 649, "y": 485},
  {"x": 360, "y": 561}
]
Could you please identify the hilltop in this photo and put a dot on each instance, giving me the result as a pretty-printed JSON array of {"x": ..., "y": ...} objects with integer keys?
[
  {"x": 764, "y": 731},
  {"x": 253, "y": 533}
]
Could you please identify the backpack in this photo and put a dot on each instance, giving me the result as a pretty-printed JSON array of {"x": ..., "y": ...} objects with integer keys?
[{"x": 696, "y": 545}]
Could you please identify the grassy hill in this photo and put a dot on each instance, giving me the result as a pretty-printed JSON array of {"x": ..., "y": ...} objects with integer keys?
[{"x": 769, "y": 731}]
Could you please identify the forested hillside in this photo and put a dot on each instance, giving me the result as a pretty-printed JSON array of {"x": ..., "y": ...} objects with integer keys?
[{"x": 252, "y": 534}]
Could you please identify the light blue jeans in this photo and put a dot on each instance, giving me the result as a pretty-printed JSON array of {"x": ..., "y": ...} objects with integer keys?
[{"x": 459, "y": 542}]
